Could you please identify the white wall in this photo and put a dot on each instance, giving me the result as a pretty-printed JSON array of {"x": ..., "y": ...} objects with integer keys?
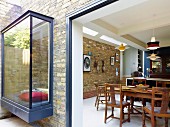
[
  {"x": 121, "y": 65},
  {"x": 130, "y": 61},
  {"x": 77, "y": 75}
]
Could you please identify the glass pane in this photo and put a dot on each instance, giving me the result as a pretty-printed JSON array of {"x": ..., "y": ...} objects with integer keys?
[
  {"x": 157, "y": 66},
  {"x": 16, "y": 63},
  {"x": 40, "y": 66},
  {"x": 167, "y": 63}
]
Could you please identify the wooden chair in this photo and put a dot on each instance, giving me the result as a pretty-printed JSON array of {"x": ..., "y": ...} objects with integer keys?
[
  {"x": 100, "y": 96},
  {"x": 136, "y": 81},
  {"x": 110, "y": 90},
  {"x": 158, "y": 94}
]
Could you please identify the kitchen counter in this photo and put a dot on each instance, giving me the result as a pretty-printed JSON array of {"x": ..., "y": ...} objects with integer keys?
[{"x": 156, "y": 81}]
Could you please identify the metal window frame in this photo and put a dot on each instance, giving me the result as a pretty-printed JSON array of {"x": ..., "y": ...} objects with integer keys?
[
  {"x": 69, "y": 18},
  {"x": 30, "y": 114}
]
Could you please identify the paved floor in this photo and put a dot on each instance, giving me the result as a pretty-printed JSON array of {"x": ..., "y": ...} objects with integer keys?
[
  {"x": 13, "y": 122},
  {"x": 94, "y": 118}
]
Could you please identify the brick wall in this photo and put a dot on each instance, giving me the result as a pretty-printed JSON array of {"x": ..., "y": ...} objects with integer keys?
[
  {"x": 8, "y": 13},
  {"x": 58, "y": 10},
  {"x": 100, "y": 52}
]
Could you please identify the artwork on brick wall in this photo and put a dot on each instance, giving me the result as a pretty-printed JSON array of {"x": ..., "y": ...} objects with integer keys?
[
  {"x": 112, "y": 60},
  {"x": 86, "y": 62},
  {"x": 117, "y": 57}
]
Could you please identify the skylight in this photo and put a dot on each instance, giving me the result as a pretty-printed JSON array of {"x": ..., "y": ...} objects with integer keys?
[
  {"x": 112, "y": 40},
  {"x": 89, "y": 31}
]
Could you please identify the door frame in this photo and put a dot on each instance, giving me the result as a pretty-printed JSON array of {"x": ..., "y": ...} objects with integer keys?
[{"x": 97, "y": 4}]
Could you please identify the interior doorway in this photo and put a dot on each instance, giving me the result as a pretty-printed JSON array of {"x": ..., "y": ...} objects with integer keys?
[{"x": 87, "y": 17}]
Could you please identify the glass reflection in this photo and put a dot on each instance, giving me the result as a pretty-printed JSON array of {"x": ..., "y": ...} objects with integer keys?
[
  {"x": 16, "y": 72},
  {"x": 40, "y": 69}
]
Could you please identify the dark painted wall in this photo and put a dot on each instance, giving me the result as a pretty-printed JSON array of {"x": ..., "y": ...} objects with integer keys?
[{"x": 146, "y": 62}]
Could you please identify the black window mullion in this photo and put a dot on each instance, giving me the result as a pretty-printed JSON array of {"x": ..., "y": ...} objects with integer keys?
[{"x": 30, "y": 73}]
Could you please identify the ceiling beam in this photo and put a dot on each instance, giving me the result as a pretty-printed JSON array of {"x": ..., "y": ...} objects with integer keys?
[
  {"x": 134, "y": 40},
  {"x": 131, "y": 40},
  {"x": 105, "y": 25}
]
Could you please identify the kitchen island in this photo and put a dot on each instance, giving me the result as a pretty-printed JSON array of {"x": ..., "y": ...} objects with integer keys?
[{"x": 152, "y": 82}]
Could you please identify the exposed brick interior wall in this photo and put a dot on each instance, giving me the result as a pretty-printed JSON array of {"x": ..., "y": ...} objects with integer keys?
[
  {"x": 100, "y": 52},
  {"x": 89, "y": 94}
]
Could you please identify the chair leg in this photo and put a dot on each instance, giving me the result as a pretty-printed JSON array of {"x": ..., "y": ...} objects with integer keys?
[
  {"x": 131, "y": 103},
  {"x": 123, "y": 114},
  {"x": 144, "y": 102},
  {"x": 166, "y": 122},
  {"x": 96, "y": 101},
  {"x": 121, "y": 117},
  {"x": 143, "y": 119},
  {"x": 128, "y": 113},
  {"x": 152, "y": 120},
  {"x": 112, "y": 111},
  {"x": 108, "y": 97},
  {"x": 105, "y": 117}
]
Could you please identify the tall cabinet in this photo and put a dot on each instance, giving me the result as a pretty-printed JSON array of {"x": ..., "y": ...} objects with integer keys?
[{"x": 140, "y": 60}]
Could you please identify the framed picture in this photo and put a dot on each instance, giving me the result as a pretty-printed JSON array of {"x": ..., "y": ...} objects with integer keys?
[
  {"x": 117, "y": 57},
  {"x": 86, "y": 62},
  {"x": 112, "y": 60}
]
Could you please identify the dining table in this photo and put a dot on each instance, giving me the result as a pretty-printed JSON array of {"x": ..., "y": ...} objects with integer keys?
[{"x": 133, "y": 92}]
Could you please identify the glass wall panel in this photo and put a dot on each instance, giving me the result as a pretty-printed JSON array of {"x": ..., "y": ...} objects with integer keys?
[
  {"x": 16, "y": 63},
  {"x": 40, "y": 62}
]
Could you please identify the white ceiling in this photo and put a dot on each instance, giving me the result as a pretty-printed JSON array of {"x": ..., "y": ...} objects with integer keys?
[{"x": 133, "y": 18}]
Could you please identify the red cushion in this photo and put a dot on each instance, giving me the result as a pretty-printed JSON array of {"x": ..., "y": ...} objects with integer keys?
[{"x": 36, "y": 96}]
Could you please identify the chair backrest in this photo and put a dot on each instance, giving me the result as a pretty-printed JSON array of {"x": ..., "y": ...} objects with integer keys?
[
  {"x": 99, "y": 89},
  {"x": 111, "y": 90},
  {"x": 161, "y": 94}
]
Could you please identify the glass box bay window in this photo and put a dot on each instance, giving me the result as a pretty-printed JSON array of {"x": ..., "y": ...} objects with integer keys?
[{"x": 27, "y": 66}]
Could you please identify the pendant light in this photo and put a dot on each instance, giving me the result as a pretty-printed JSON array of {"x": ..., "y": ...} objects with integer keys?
[
  {"x": 153, "y": 44},
  {"x": 153, "y": 57},
  {"x": 121, "y": 47}
]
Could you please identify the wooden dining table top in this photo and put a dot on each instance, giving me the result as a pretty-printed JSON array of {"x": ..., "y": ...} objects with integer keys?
[{"x": 137, "y": 92}]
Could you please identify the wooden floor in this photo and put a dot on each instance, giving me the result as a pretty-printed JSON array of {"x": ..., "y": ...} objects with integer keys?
[{"x": 94, "y": 118}]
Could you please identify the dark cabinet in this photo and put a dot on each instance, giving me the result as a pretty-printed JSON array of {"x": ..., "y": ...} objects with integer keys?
[
  {"x": 140, "y": 60},
  {"x": 161, "y": 67}
]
